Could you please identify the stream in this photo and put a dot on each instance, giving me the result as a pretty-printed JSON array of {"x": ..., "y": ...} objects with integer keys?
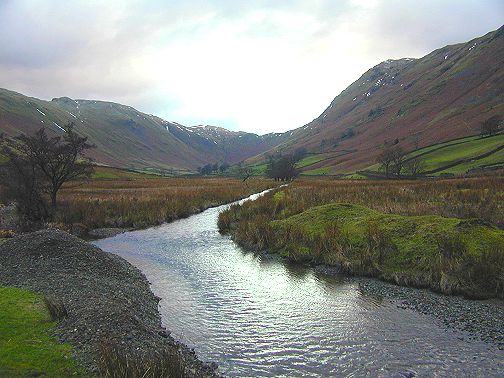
[{"x": 258, "y": 316}]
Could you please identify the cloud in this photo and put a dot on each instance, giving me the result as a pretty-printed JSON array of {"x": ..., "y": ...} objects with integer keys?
[{"x": 254, "y": 65}]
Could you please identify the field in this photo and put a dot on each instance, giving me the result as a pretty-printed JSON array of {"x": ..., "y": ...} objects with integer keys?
[
  {"x": 144, "y": 200},
  {"x": 459, "y": 156},
  {"x": 455, "y": 157},
  {"x": 27, "y": 348},
  {"x": 443, "y": 234}
]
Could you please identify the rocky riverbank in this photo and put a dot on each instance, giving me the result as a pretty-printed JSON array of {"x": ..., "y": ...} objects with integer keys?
[
  {"x": 480, "y": 319},
  {"x": 107, "y": 300}
]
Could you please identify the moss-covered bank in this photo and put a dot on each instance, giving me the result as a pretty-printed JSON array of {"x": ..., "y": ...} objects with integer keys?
[{"x": 448, "y": 255}]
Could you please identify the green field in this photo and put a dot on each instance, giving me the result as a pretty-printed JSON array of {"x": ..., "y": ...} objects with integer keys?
[
  {"x": 259, "y": 169},
  {"x": 470, "y": 148},
  {"x": 27, "y": 347},
  {"x": 317, "y": 171},
  {"x": 463, "y": 154},
  {"x": 311, "y": 159},
  {"x": 109, "y": 173}
]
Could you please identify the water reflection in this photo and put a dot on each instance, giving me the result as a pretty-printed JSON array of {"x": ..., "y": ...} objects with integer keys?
[{"x": 257, "y": 316}]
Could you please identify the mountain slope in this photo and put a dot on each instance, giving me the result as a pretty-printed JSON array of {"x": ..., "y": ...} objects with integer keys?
[
  {"x": 412, "y": 102},
  {"x": 125, "y": 137}
]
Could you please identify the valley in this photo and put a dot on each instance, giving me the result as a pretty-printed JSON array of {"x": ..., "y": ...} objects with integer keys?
[
  {"x": 413, "y": 103},
  {"x": 366, "y": 242}
]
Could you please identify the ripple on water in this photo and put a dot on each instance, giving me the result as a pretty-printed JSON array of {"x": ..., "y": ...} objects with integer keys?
[{"x": 258, "y": 316}]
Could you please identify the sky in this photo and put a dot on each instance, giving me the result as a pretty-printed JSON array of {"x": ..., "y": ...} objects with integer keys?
[{"x": 256, "y": 66}]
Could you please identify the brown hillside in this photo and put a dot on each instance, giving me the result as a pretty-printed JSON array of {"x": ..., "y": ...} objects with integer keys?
[{"x": 415, "y": 102}]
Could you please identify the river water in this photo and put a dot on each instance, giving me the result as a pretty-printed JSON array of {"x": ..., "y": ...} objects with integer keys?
[{"x": 257, "y": 316}]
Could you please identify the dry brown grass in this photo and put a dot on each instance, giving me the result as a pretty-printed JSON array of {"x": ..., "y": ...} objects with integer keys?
[
  {"x": 150, "y": 201},
  {"x": 115, "y": 363},
  {"x": 477, "y": 197}
]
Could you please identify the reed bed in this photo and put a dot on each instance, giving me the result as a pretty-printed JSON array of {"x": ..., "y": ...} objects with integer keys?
[
  {"x": 367, "y": 228},
  {"x": 477, "y": 197},
  {"x": 150, "y": 201}
]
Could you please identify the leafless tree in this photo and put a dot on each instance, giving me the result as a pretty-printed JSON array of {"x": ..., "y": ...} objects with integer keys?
[
  {"x": 491, "y": 126},
  {"x": 414, "y": 167},
  {"x": 39, "y": 165},
  {"x": 391, "y": 160}
]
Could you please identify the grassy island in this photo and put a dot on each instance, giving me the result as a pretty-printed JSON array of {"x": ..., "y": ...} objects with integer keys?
[{"x": 408, "y": 244}]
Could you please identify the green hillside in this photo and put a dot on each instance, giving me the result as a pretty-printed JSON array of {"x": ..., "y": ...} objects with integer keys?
[
  {"x": 459, "y": 156},
  {"x": 127, "y": 138}
]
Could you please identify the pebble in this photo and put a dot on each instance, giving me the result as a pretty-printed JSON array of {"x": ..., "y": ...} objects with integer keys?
[{"x": 107, "y": 299}]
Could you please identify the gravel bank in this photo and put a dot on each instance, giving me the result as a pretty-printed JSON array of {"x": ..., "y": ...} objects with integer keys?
[
  {"x": 482, "y": 319},
  {"x": 107, "y": 298}
]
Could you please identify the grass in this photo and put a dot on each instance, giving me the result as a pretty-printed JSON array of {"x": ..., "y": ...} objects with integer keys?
[
  {"x": 26, "y": 345},
  {"x": 317, "y": 171},
  {"x": 114, "y": 363},
  {"x": 109, "y": 173},
  {"x": 151, "y": 200},
  {"x": 259, "y": 169},
  {"x": 494, "y": 160},
  {"x": 463, "y": 151},
  {"x": 446, "y": 254},
  {"x": 414, "y": 221},
  {"x": 311, "y": 159},
  {"x": 449, "y": 154}
]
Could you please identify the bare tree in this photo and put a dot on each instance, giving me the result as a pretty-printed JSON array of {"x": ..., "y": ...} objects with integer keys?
[
  {"x": 491, "y": 126},
  {"x": 24, "y": 183},
  {"x": 414, "y": 167},
  {"x": 245, "y": 172},
  {"x": 392, "y": 160},
  {"x": 43, "y": 164},
  {"x": 398, "y": 158},
  {"x": 282, "y": 168}
]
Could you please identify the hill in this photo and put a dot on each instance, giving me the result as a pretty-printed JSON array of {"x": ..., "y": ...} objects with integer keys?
[
  {"x": 415, "y": 103},
  {"x": 411, "y": 102},
  {"x": 127, "y": 138}
]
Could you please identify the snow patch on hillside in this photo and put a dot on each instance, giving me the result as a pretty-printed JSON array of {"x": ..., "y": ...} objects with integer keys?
[{"x": 59, "y": 127}]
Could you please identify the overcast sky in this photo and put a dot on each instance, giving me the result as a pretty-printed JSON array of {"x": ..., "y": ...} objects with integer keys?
[{"x": 257, "y": 66}]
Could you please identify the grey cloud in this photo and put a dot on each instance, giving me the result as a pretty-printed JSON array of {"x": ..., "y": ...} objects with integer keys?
[
  {"x": 399, "y": 25},
  {"x": 88, "y": 49}
]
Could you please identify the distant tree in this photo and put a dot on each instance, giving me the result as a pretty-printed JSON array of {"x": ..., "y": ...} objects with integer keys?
[
  {"x": 491, "y": 126},
  {"x": 392, "y": 160},
  {"x": 215, "y": 167},
  {"x": 224, "y": 167},
  {"x": 385, "y": 159},
  {"x": 39, "y": 165},
  {"x": 299, "y": 154},
  {"x": 206, "y": 169},
  {"x": 414, "y": 167},
  {"x": 398, "y": 159},
  {"x": 416, "y": 141},
  {"x": 282, "y": 168},
  {"x": 244, "y": 171},
  {"x": 25, "y": 184},
  {"x": 348, "y": 133}
]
